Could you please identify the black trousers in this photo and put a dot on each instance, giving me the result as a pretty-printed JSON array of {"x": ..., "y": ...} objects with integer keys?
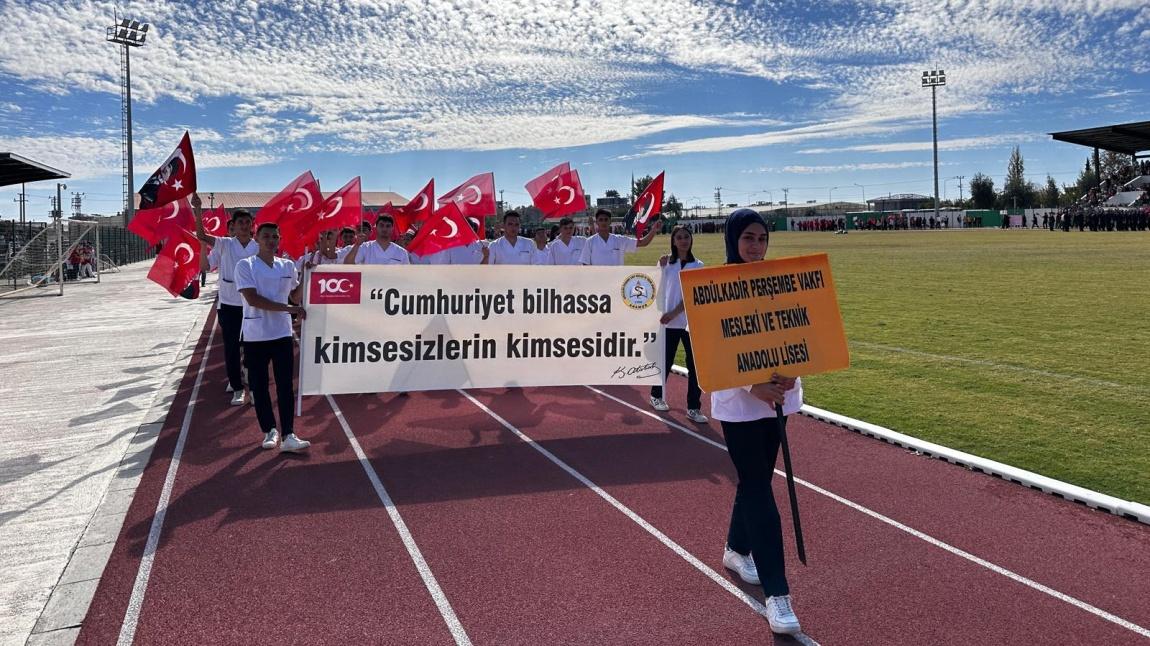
[
  {"x": 231, "y": 318},
  {"x": 755, "y": 526},
  {"x": 257, "y": 355},
  {"x": 671, "y": 339}
]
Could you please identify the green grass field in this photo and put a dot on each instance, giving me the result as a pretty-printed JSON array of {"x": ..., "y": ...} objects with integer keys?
[{"x": 1026, "y": 347}]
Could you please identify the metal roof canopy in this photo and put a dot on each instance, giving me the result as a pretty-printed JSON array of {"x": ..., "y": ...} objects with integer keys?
[
  {"x": 1126, "y": 138},
  {"x": 15, "y": 169}
]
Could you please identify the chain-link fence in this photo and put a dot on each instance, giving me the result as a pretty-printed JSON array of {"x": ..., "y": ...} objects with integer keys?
[{"x": 32, "y": 254}]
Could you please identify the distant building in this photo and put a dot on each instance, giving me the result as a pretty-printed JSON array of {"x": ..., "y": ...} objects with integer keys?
[
  {"x": 619, "y": 203},
  {"x": 900, "y": 202}
]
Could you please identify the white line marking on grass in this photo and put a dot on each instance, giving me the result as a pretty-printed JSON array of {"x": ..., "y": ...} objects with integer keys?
[
  {"x": 626, "y": 511},
  {"x": 913, "y": 532},
  {"x": 140, "y": 586},
  {"x": 992, "y": 364},
  {"x": 425, "y": 573}
]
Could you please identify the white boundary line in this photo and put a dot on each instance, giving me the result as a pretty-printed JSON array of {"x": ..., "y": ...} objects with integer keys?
[
  {"x": 1093, "y": 499},
  {"x": 425, "y": 573},
  {"x": 913, "y": 532},
  {"x": 140, "y": 586}
]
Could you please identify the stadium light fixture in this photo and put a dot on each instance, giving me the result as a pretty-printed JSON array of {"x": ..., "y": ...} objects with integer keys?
[
  {"x": 127, "y": 34},
  {"x": 934, "y": 79}
]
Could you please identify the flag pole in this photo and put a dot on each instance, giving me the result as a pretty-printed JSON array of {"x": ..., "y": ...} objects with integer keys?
[
  {"x": 791, "y": 483},
  {"x": 302, "y": 341}
]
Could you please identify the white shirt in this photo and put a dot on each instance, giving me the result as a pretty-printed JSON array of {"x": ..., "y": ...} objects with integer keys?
[
  {"x": 373, "y": 254},
  {"x": 540, "y": 256},
  {"x": 471, "y": 254},
  {"x": 342, "y": 252},
  {"x": 273, "y": 283},
  {"x": 739, "y": 405},
  {"x": 316, "y": 258},
  {"x": 567, "y": 254},
  {"x": 214, "y": 258},
  {"x": 673, "y": 290},
  {"x": 437, "y": 258},
  {"x": 231, "y": 252},
  {"x": 501, "y": 252},
  {"x": 607, "y": 252}
]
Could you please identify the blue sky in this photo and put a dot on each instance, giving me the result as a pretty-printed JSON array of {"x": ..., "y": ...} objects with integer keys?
[{"x": 821, "y": 98}]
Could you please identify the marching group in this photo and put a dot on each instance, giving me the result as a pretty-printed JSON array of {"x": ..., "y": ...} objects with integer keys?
[{"x": 260, "y": 292}]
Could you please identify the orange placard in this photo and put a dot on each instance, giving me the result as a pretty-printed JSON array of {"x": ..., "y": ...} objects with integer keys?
[{"x": 751, "y": 320}]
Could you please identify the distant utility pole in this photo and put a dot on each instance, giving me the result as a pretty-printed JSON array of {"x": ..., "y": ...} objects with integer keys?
[
  {"x": 785, "y": 203},
  {"x": 960, "y": 178},
  {"x": 718, "y": 201},
  {"x": 77, "y": 204},
  {"x": 21, "y": 199}
]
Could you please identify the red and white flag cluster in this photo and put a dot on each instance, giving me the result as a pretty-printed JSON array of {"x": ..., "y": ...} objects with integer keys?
[{"x": 165, "y": 216}]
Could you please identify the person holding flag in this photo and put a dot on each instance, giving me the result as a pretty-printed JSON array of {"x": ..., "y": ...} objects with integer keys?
[
  {"x": 674, "y": 322},
  {"x": 473, "y": 253},
  {"x": 381, "y": 251},
  {"x": 606, "y": 248},
  {"x": 510, "y": 249},
  {"x": 566, "y": 248},
  {"x": 229, "y": 305},
  {"x": 753, "y": 432},
  {"x": 269, "y": 284}
]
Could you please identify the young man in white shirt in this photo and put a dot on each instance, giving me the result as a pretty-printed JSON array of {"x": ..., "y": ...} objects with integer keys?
[
  {"x": 269, "y": 285},
  {"x": 606, "y": 248},
  {"x": 540, "y": 255},
  {"x": 469, "y": 254},
  {"x": 381, "y": 251},
  {"x": 510, "y": 249},
  {"x": 567, "y": 248},
  {"x": 229, "y": 308}
]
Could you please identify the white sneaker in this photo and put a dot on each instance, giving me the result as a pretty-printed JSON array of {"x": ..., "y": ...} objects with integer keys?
[
  {"x": 744, "y": 566},
  {"x": 293, "y": 444},
  {"x": 271, "y": 438},
  {"x": 781, "y": 616},
  {"x": 238, "y": 398},
  {"x": 695, "y": 416},
  {"x": 659, "y": 404}
]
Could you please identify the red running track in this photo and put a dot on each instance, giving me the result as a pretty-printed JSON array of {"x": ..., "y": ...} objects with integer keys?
[{"x": 494, "y": 536}]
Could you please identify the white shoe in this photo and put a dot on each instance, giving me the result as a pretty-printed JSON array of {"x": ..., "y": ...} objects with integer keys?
[
  {"x": 695, "y": 416},
  {"x": 781, "y": 616},
  {"x": 271, "y": 438},
  {"x": 659, "y": 404},
  {"x": 293, "y": 444},
  {"x": 238, "y": 398},
  {"x": 744, "y": 566}
]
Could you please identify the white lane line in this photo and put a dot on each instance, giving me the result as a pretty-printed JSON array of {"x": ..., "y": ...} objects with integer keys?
[
  {"x": 425, "y": 573},
  {"x": 995, "y": 365},
  {"x": 626, "y": 511},
  {"x": 1129, "y": 625},
  {"x": 140, "y": 587}
]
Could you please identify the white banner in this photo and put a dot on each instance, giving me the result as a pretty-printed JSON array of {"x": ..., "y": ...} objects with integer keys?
[{"x": 399, "y": 328}]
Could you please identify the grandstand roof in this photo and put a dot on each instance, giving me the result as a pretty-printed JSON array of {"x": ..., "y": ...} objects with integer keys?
[
  {"x": 1126, "y": 138},
  {"x": 255, "y": 200},
  {"x": 15, "y": 169}
]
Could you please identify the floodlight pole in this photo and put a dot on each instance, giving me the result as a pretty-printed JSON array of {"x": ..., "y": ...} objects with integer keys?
[
  {"x": 934, "y": 79},
  {"x": 130, "y": 202},
  {"x": 127, "y": 34}
]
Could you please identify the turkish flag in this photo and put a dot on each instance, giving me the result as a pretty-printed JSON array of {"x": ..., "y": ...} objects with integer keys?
[
  {"x": 294, "y": 209},
  {"x": 402, "y": 221},
  {"x": 446, "y": 229},
  {"x": 649, "y": 204},
  {"x": 178, "y": 263},
  {"x": 343, "y": 208},
  {"x": 154, "y": 225},
  {"x": 216, "y": 221},
  {"x": 561, "y": 196},
  {"x": 421, "y": 207},
  {"x": 174, "y": 179},
  {"x": 475, "y": 197},
  {"x": 537, "y": 184}
]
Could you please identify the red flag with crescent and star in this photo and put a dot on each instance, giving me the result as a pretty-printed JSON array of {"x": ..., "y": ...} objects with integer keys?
[
  {"x": 649, "y": 204},
  {"x": 156, "y": 224},
  {"x": 293, "y": 209},
  {"x": 216, "y": 221},
  {"x": 421, "y": 207},
  {"x": 475, "y": 197},
  {"x": 174, "y": 179},
  {"x": 343, "y": 208},
  {"x": 446, "y": 229},
  {"x": 537, "y": 184},
  {"x": 561, "y": 196},
  {"x": 178, "y": 263},
  {"x": 401, "y": 222}
]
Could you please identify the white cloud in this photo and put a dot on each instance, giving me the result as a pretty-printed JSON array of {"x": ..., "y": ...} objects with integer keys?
[
  {"x": 811, "y": 170},
  {"x": 960, "y": 143}
]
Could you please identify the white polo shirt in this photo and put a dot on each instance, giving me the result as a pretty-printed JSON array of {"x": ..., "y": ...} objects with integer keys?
[
  {"x": 471, "y": 254},
  {"x": 607, "y": 252},
  {"x": 273, "y": 283},
  {"x": 342, "y": 252},
  {"x": 739, "y": 405},
  {"x": 502, "y": 252},
  {"x": 214, "y": 258},
  {"x": 563, "y": 253},
  {"x": 373, "y": 254},
  {"x": 437, "y": 258},
  {"x": 230, "y": 253},
  {"x": 540, "y": 256},
  {"x": 673, "y": 290}
]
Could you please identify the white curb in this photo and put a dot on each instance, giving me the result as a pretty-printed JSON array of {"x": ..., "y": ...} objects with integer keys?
[{"x": 1093, "y": 499}]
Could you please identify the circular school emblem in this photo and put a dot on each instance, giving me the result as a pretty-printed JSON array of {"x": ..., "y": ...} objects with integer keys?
[{"x": 638, "y": 291}]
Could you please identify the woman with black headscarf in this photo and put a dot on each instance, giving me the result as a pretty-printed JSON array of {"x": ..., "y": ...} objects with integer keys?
[{"x": 752, "y": 431}]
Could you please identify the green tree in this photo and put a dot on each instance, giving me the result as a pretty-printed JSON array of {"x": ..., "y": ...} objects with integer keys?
[
  {"x": 1087, "y": 179},
  {"x": 1016, "y": 193},
  {"x": 611, "y": 193},
  {"x": 1050, "y": 193},
  {"x": 1117, "y": 167},
  {"x": 982, "y": 192},
  {"x": 672, "y": 207}
]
